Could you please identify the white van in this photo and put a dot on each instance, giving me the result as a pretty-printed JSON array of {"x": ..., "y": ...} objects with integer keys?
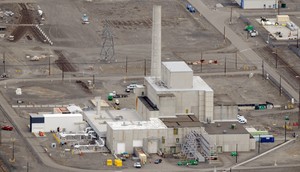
[{"x": 241, "y": 119}]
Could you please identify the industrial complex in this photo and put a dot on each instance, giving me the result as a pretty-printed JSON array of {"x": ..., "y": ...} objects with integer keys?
[{"x": 158, "y": 85}]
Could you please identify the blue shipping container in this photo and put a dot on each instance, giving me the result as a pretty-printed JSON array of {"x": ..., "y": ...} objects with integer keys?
[{"x": 265, "y": 138}]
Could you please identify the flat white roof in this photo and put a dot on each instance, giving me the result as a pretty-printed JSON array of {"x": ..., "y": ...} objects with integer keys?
[
  {"x": 62, "y": 115},
  {"x": 177, "y": 66},
  {"x": 250, "y": 129},
  {"x": 198, "y": 85},
  {"x": 153, "y": 123},
  {"x": 99, "y": 122},
  {"x": 74, "y": 108}
]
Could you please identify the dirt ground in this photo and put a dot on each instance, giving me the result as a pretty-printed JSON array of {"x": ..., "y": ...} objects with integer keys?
[{"x": 184, "y": 37}]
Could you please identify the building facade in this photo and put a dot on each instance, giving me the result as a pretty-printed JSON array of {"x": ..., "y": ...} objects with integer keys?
[{"x": 258, "y": 4}]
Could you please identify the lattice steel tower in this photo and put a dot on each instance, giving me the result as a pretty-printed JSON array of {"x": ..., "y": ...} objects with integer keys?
[{"x": 107, "y": 51}]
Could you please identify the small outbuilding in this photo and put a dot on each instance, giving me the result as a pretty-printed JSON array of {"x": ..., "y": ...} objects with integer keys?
[
  {"x": 258, "y": 4},
  {"x": 54, "y": 122}
]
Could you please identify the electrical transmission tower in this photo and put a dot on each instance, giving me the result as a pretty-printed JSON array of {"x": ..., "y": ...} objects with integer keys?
[{"x": 107, "y": 51}]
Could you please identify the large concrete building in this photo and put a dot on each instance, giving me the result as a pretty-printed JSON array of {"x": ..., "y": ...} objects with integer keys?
[
  {"x": 258, "y": 4},
  {"x": 173, "y": 110},
  {"x": 177, "y": 92},
  {"x": 169, "y": 135},
  {"x": 165, "y": 135}
]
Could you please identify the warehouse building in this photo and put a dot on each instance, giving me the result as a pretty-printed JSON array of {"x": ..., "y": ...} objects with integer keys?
[
  {"x": 53, "y": 122},
  {"x": 169, "y": 135},
  {"x": 258, "y": 4},
  {"x": 165, "y": 135},
  {"x": 228, "y": 136}
]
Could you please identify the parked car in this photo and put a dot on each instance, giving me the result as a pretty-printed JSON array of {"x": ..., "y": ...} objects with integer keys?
[
  {"x": 117, "y": 102},
  {"x": 131, "y": 86},
  {"x": 157, "y": 161},
  {"x": 7, "y": 127},
  {"x": 127, "y": 90},
  {"x": 241, "y": 119},
  {"x": 137, "y": 165}
]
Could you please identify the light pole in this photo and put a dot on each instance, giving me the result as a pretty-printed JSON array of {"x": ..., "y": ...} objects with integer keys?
[
  {"x": 236, "y": 150},
  {"x": 285, "y": 120},
  {"x": 12, "y": 159},
  {"x": 276, "y": 58},
  {"x": 298, "y": 101},
  {"x": 230, "y": 21},
  {"x": 297, "y": 39},
  {"x": 258, "y": 144}
]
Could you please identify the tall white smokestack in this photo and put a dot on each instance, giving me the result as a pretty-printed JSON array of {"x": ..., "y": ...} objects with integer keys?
[{"x": 156, "y": 43}]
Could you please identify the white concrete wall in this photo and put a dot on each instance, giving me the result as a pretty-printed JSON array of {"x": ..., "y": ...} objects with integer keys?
[
  {"x": 229, "y": 142},
  {"x": 185, "y": 100},
  {"x": 252, "y": 143},
  {"x": 258, "y": 4},
  {"x": 209, "y": 105},
  {"x": 225, "y": 112},
  {"x": 165, "y": 75},
  {"x": 145, "y": 112},
  {"x": 152, "y": 95},
  {"x": 51, "y": 123},
  {"x": 181, "y": 80},
  {"x": 166, "y": 106},
  {"x": 37, "y": 127},
  {"x": 127, "y": 137},
  {"x": 109, "y": 138}
]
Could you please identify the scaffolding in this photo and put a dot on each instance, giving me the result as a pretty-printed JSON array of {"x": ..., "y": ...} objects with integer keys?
[{"x": 197, "y": 146}]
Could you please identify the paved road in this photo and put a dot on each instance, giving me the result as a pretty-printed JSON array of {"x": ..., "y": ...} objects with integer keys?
[{"x": 217, "y": 19}]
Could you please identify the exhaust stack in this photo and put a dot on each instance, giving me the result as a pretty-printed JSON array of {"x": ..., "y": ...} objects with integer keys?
[{"x": 156, "y": 43}]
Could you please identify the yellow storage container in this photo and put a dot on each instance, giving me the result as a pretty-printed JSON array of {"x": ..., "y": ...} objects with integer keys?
[
  {"x": 109, "y": 162},
  {"x": 118, "y": 163}
]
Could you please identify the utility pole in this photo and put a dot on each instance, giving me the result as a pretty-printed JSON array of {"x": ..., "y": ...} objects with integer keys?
[
  {"x": 145, "y": 67},
  {"x": 230, "y": 21},
  {"x": 276, "y": 64},
  {"x": 297, "y": 39},
  {"x": 258, "y": 143},
  {"x": 299, "y": 105},
  {"x": 201, "y": 61},
  {"x": 93, "y": 80},
  {"x": 236, "y": 150},
  {"x": 62, "y": 74},
  {"x": 280, "y": 87},
  {"x": 4, "y": 63},
  {"x": 224, "y": 35},
  {"x": 27, "y": 166},
  {"x": 225, "y": 66},
  {"x": 262, "y": 68},
  {"x": 12, "y": 159},
  {"x": 126, "y": 65},
  {"x": 49, "y": 66},
  {"x": 236, "y": 65},
  {"x": 284, "y": 130}
]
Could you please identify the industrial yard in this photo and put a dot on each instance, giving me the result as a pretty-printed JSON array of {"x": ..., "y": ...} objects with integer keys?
[{"x": 62, "y": 60}]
